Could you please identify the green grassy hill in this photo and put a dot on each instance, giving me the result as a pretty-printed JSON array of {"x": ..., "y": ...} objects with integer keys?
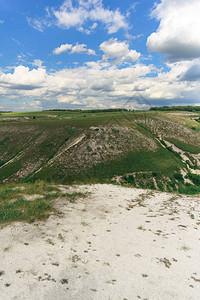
[{"x": 150, "y": 149}]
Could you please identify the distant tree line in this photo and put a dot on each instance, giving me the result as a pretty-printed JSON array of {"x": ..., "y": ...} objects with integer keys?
[
  {"x": 175, "y": 108},
  {"x": 4, "y": 111},
  {"x": 90, "y": 110}
]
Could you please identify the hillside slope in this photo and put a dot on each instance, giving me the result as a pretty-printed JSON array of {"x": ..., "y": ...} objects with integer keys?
[{"x": 159, "y": 150}]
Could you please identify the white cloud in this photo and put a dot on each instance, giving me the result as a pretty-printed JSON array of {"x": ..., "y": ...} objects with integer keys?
[
  {"x": 84, "y": 84},
  {"x": 78, "y": 48},
  {"x": 40, "y": 23},
  {"x": 66, "y": 99},
  {"x": 1, "y": 21},
  {"x": 36, "y": 24},
  {"x": 62, "y": 48},
  {"x": 91, "y": 52},
  {"x": 133, "y": 37},
  {"x": 37, "y": 63},
  {"x": 113, "y": 20},
  {"x": 35, "y": 103},
  {"x": 192, "y": 72},
  {"x": 95, "y": 85},
  {"x": 23, "y": 79},
  {"x": 113, "y": 49},
  {"x": 88, "y": 30},
  {"x": 83, "y": 15},
  {"x": 178, "y": 34},
  {"x": 102, "y": 84},
  {"x": 93, "y": 65},
  {"x": 94, "y": 25},
  {"x": 30, "y": 105}
]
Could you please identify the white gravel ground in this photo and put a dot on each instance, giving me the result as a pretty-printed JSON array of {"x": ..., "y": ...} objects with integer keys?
[{"x": 118, "y": 243}]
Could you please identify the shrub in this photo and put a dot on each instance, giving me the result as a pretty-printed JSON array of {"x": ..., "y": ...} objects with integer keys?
[
  {"x": 194, "y": 178},
  {"x": 179, "y": 177},
  {"x": 129, "y": 179}
]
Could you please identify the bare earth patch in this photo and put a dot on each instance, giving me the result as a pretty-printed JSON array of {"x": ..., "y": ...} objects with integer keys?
[{"x": 118, "y": 243}]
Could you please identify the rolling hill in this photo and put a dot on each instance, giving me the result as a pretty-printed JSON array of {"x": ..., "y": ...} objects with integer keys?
[{"x": 149, "y": 149}]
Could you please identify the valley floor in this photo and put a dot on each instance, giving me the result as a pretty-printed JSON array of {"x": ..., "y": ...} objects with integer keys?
[{"x": 118, "y": 243}]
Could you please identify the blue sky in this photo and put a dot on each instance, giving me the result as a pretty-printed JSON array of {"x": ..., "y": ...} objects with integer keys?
[{"x": 99, "y": 53}]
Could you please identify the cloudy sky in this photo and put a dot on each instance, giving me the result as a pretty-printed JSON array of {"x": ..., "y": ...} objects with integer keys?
[{"x": 99, "y": 53}]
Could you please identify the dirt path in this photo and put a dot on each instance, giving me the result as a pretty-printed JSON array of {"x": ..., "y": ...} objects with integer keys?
[{"x": 118, "y": 243}]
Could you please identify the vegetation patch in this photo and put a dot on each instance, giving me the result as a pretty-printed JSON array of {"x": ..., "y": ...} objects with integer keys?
[
  {"x": 164, "y": 182},
  {"x": 160, "y": 160},
  {"x": 15, "y": 205},
  {"x": 183, "y": 146},
  {"x": 189, "y": 108},
  {"x": 194, "y": 178}
]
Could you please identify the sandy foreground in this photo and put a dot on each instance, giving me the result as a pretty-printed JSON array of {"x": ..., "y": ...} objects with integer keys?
[{"x": 117, "y": 243}]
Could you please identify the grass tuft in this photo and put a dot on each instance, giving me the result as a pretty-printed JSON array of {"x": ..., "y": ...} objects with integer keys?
[{"x": 14, "y": 205}]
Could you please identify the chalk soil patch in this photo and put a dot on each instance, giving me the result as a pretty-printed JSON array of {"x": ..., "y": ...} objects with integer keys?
[{"x": 118, "y": 243}]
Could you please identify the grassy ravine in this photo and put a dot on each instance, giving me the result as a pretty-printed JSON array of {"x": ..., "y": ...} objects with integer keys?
[{"x": 16, "y": 203}]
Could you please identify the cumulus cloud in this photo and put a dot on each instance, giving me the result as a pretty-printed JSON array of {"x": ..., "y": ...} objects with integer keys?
[
  {"x": 66, "y": 99},
  {"x": 23, "y": 78},
  {"x": 1, "y": 21},
  {"x": 113, "y": 49},
  {"x": 62, "y": 48},
  {"x": 192, "y": 73},
  {"x": 95, "y": 85},
  {"x": 35, "y": 103},
  {"x": 91, "y": 52},
  {"x": 30, "y": 105},
  {"x": 102, "y": 84},
  {"x": 83, "y": 15},
  {"x": 88, "y": 85},
  {"x": 178, "y": 34},
  {"x": 78, "y": 48}
]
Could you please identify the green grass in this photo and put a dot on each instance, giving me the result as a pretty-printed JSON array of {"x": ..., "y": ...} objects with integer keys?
[
  {"x": 185, "y": 147},
  {"x": 160, "y": 160},
  {"x": 41, "y": 147},
  {"x": 189, "y": 189},
  {"x": 171, "y": 183},
  {"x": 9, "y": 169},
  {"x": 75, "y": 119},
  {"x": 23, "y": 210},
  {"x": 15, "y": 207},
  {"x": 194, "y": 178},
  {"x": 55, "y": 114}
]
